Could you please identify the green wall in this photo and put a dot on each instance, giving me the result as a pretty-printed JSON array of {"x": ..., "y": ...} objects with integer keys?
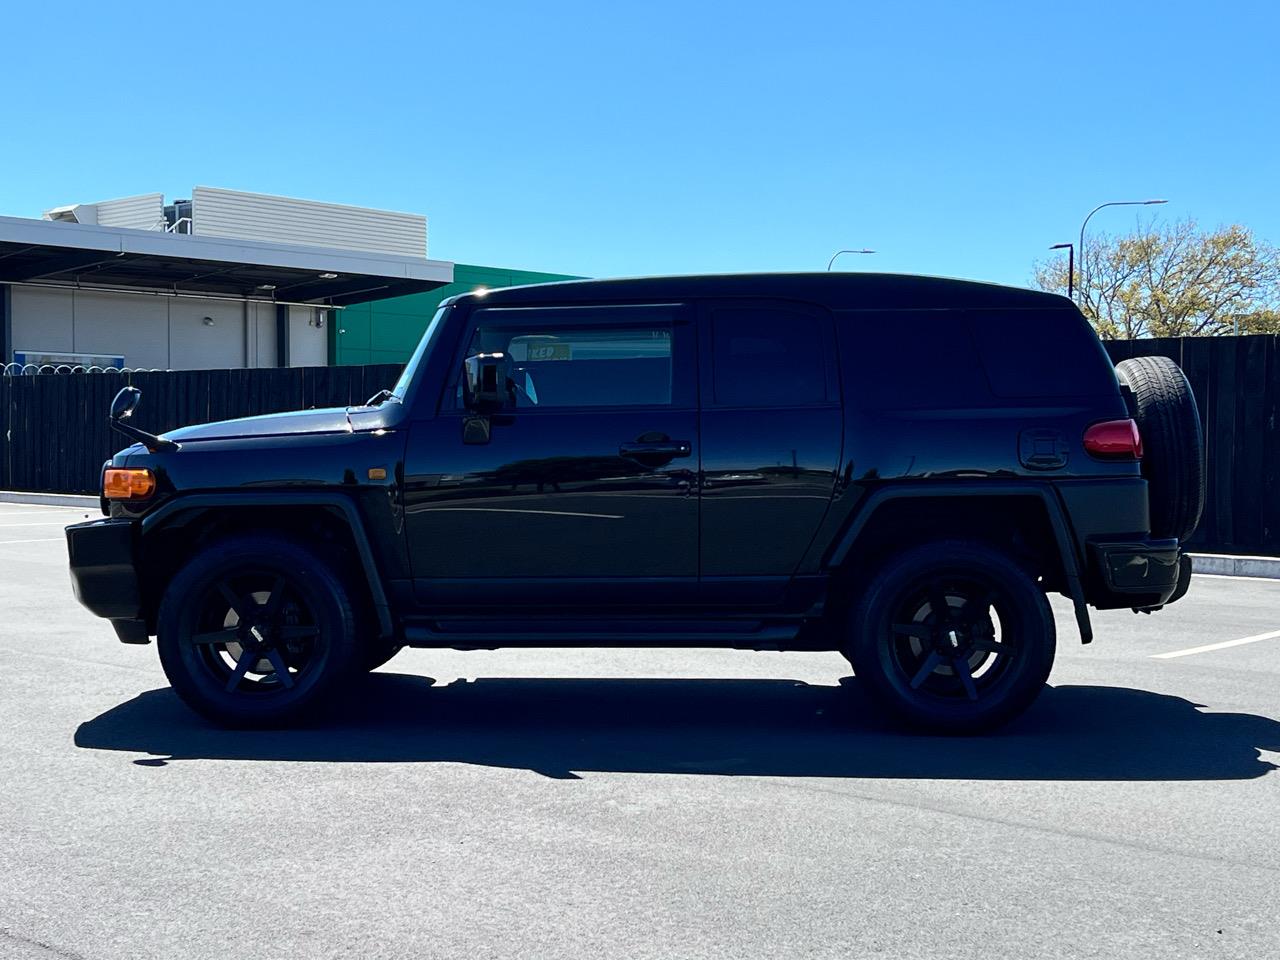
[{"x": 386, "y": 331}]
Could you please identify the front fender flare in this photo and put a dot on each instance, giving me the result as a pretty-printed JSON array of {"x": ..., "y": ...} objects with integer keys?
[{"x": 336, "y": 502}]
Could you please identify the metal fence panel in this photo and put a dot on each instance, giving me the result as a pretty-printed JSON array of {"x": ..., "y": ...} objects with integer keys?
[
  {"x": 54, "y": 434},
  {"x": 1236, "y": 382}
]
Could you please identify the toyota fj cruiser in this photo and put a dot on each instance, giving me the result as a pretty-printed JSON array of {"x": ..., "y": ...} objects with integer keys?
[{"x": 896, "y": 468}]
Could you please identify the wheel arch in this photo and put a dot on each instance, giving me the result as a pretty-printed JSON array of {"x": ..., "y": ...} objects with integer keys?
[
  {"x": 182, "y": 524},
  {"x": 896, "y": 516}
]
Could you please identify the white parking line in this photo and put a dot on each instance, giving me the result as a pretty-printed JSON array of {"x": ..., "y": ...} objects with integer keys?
[
  {"x": 42, "y": 513},
  {"x": 1235, "y": 576},
  {"x": 1225, "y": 644},
  {"x": 36, "y": 523}
]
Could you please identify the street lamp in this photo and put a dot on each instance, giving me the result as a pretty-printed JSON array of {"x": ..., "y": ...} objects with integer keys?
[
  {"x": 838, "y": 252},
  {"x": 1071, "y": 266},
  {"x": 1084, "y": 264}
]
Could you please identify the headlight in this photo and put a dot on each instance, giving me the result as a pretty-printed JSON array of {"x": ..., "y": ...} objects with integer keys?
[{"x": 121, "y": 484}]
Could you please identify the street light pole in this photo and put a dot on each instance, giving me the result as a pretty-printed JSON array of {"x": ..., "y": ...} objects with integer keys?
[
  {"x": 1071, "y": 266},
  {"x": 838, "y": 252},
  {"x": 1084, "y": 263}
]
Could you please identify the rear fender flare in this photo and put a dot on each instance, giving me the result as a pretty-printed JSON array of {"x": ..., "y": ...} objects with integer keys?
[{"x": 1044, "y": 492}]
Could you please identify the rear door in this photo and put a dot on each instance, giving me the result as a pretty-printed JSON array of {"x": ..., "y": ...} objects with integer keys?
[
  {"x": 585, "y": 492},
  {"x": 771, "y": 432}
]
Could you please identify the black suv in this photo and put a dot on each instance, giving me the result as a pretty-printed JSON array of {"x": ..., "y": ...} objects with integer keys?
[{"x": 897, "y": 468}]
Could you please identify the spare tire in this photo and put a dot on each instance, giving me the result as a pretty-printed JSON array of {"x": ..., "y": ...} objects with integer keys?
[{"x": 1173, "y": 446}]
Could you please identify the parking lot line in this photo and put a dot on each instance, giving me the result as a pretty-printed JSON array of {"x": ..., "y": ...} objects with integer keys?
[
  {"x": 41, "y": 511},
  {"x": 5, "y": 543},
  {"x": 1216, "y": 646},
  {"x": 1235, "y": 576}
]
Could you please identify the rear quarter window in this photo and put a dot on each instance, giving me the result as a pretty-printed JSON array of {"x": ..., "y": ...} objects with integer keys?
[
  {"x": 1041, "y": 353},
  {"x": 911, "y": 360}
]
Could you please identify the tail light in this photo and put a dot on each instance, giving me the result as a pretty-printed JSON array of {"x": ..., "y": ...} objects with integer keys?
[
  {"x": 1114, "y": 440},
  {"x": 131, "y": 484}
]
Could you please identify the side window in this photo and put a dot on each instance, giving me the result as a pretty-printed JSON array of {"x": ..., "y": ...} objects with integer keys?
[
  {"x": 583, "y": 366},
  {"x": 1041, "y": 353},
  {"x": 911, "y": 360},
  {"x": 768, "y": 358}
]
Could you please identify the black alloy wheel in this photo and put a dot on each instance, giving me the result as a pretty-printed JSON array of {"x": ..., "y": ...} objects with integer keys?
[
  {"x": 953, "y": 637},
  {"x": 256, "y": 630},
  {"x": 256, "y": 633}
]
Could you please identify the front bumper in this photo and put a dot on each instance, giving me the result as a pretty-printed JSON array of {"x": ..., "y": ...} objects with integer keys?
[
  {"x": 1138, "y": 573},
  {"x": 104, "y": 574}
]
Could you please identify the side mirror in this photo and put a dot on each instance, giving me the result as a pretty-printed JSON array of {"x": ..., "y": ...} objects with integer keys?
[
  {"x": 122, "y": 408},
  {"x": 484, "y": 382},
  {"x": 125, "y": 403}
]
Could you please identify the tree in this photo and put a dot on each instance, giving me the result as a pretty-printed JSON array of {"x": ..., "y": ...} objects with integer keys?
[{"x": 1175, "y": 281}]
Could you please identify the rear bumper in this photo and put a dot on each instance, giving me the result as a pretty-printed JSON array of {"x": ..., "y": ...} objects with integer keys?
[
  {"x": 104, "y": 573},
  {"x": 1137, "y": 573}
]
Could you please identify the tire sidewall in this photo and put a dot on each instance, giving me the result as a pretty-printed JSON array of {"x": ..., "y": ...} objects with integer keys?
[
  {"x": 320, "y": 588},
  {"x": 1174, "y": 463},
  {"x": 871, "y": 638}
]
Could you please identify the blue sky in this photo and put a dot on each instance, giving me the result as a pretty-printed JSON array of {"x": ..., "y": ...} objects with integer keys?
[{"x": 599, "y": 138}]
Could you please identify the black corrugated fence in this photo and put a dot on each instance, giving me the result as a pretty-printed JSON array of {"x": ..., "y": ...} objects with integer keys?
[
  {"x": 55, "y": 434},
  {"x": 1236, "y": 381},
  {"x": 54, "y": 426}
]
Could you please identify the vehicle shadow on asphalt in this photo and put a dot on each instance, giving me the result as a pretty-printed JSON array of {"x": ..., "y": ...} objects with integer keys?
[{"x": 563, "y": 727}]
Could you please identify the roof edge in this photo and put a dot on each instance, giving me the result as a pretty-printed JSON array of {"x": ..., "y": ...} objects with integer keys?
[{"x": 124, "y": 240}]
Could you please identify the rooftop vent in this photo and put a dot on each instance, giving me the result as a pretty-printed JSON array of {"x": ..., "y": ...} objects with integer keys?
[{"x": 144, "y": 212}]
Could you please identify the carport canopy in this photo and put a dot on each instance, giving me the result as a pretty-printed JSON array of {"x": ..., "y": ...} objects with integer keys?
[{"x": 115, "y": 258}]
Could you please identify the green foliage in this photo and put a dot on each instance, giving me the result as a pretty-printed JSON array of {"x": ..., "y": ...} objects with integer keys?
[{"x": 1175, "y": 281}]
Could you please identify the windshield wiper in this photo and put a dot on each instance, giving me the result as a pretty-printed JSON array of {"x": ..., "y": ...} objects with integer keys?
[{"x": 381, "y": 396}]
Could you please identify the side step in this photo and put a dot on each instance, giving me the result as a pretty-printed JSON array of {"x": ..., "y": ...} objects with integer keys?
[{"x": 475, "y": 634}]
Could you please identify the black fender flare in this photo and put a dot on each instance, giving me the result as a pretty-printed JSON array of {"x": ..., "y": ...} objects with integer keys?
[
  {"x": 1045, "y": 492},
  {"x": 336, "y": 502}
]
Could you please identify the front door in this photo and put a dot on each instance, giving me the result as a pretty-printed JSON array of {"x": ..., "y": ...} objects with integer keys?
[{"x": 587, "y": 481}]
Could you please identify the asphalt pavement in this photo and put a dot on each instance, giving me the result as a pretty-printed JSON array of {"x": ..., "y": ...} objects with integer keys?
[{"x": 639, "y": 803}]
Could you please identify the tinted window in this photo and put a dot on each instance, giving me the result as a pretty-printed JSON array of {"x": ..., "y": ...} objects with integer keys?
[
  {"x": 583, "y": 366},
  {"x": 768, "y": 358},
  {"x": 912, "y": 360},
  {"x": 1041, "y": 353}
]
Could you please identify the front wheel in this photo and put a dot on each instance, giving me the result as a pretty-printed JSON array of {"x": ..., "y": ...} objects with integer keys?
[
  {"x": 952, "y": 637},
  {"x": 256, "y": 631}
]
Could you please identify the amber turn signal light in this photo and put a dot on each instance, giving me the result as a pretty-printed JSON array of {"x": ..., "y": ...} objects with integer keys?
[{"x": 121, "y": 484}]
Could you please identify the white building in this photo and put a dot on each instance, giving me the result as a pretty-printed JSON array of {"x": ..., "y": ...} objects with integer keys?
[{"x": 224, "y": 279}]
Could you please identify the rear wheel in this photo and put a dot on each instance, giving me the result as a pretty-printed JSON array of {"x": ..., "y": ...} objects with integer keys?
[
  {"x": 256, "y": 631},
  {"x": 952, "y": 637}
]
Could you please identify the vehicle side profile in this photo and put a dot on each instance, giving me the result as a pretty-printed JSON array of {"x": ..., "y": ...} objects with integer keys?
[{"x": 901, "y": 469}]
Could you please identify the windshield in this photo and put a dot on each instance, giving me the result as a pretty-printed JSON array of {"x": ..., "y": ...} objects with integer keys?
[{"x": 424, "y": 347}]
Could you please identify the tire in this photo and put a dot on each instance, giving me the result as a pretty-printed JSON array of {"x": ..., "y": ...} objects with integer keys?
[
  {"x": 1173, "y": 447},
  {"x": 272, "y": 597},
  {"x": 966, "y": 671}
]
